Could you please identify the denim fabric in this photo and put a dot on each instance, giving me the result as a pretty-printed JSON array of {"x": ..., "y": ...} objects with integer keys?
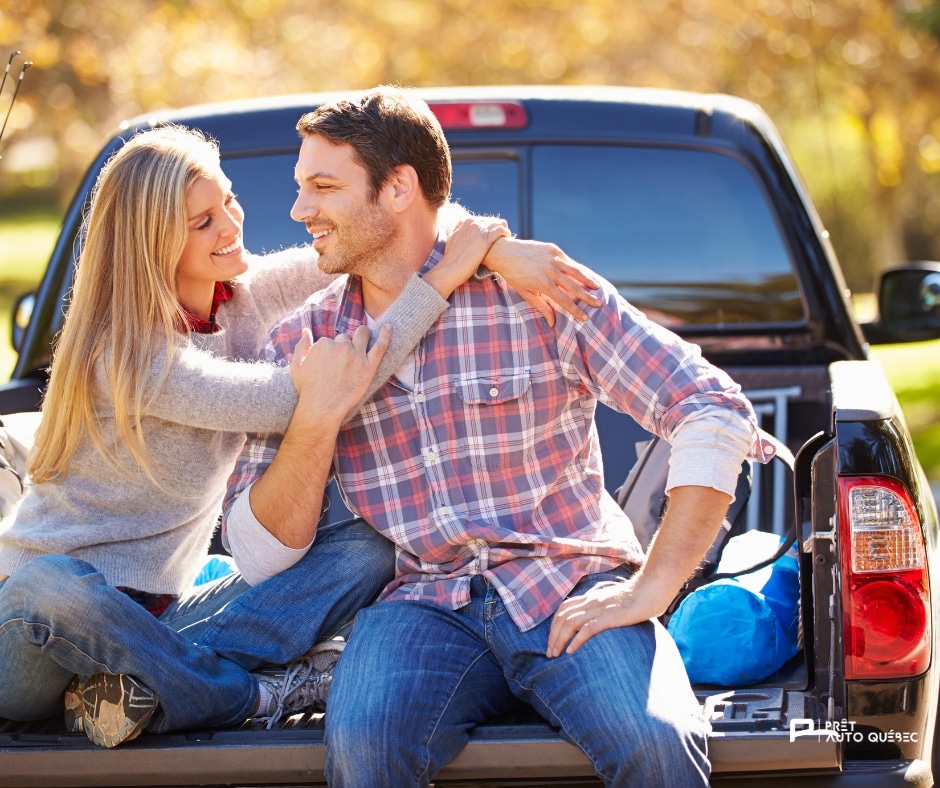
[
  {"x": 58, "y": 618},
  {"x": 416, "y": 677}
]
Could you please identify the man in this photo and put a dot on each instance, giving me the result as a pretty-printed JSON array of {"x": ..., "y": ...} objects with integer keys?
[{"x": 517, "y": 575}]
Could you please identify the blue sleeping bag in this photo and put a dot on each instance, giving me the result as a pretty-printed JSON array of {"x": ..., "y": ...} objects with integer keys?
[{"x": 738, "y": 631}]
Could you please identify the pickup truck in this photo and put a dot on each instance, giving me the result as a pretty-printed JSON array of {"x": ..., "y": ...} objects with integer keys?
[{"x": 692, "y": 207}]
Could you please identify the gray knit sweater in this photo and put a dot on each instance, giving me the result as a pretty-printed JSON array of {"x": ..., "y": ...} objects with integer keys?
[{"x": 129, "y": 529}]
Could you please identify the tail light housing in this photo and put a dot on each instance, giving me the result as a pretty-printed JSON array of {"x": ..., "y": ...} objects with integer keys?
[{"x": 885, "y": 590}]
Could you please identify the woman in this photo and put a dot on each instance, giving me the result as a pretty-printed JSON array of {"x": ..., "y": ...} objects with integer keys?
[{"x": 145, "y": 413}]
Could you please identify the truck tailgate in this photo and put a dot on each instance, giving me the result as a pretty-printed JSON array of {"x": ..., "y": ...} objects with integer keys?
[{"x": 750, "y": 734}]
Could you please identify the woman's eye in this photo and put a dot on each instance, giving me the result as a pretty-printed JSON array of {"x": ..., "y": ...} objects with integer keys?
[{"x": 204, "y": 224}]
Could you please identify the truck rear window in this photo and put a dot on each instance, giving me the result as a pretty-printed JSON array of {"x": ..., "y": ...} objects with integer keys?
[
  {"x": 266, "y": 189},
  {"x": 687, "y": 236}
]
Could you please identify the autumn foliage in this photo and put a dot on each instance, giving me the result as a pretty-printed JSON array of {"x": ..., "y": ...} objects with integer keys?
[{"x": 852, "y": 84}]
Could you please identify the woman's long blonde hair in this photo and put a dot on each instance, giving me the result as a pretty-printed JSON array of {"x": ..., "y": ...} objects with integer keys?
[{"x": 124, "y": 306}]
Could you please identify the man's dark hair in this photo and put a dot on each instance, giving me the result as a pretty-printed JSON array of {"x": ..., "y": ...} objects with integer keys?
[{"x": 387, "y": 128}]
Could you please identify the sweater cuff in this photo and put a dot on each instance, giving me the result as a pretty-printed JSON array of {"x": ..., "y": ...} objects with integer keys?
[{"x": 419, "y": 305}]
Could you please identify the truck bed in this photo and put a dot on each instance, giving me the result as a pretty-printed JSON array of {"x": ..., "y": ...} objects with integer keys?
[{"x": 749, "y": 727}]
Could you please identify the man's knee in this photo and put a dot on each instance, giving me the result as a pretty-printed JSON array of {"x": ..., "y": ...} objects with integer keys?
[
  {"x": 356, "y": 550},
  {"x": 347, "y": 732},
  {"x": 366, "y": 706},
  {"x": 352, "y": 734}
]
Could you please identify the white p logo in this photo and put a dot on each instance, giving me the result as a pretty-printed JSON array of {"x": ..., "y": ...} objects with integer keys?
[{"x": 801, "y": 727}]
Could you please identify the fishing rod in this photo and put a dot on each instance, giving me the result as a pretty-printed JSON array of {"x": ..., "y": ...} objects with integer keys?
[
  {"x": 7, "y": 69},
  {"x": 16, "y": 90}
]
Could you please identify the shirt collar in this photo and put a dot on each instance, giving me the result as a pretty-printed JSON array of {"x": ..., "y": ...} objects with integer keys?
[
  {"x": 221, "y": 294},
  {"x": 437, "y": 252},
  {"x": 352, "y": 313}
]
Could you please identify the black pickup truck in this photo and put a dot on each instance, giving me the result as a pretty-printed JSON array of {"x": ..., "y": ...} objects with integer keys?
[{"x": 691, "y": 206}]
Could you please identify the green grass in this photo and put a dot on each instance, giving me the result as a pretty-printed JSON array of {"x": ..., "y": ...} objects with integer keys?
[
  {"x": 914, "y": 370},
  {"x": 26, "y": 241}
]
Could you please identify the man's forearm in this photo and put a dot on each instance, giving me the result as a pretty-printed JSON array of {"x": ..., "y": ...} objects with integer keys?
[
  {"x": 692, "y": 520},
  {"x": 287, "y": 500},
  {"x": 331, "y": 375},
  {"x": 690, "y": 525}
]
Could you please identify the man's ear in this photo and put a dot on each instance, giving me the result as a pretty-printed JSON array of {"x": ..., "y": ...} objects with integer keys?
[{"x": 402, "y": 187}]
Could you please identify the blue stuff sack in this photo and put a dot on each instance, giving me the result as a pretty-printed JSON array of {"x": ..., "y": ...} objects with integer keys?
[
  {"x": 739, "y": 630},
  {"x": 216, "y": 566}
]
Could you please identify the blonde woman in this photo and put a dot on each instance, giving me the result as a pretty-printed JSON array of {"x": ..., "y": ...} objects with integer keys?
[{"x": 149, "y": 400}]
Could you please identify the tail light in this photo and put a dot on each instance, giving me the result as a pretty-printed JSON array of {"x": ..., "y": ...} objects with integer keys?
[
  {"x": 479, "y": 115},
  {"x": 885, "y": 591}
]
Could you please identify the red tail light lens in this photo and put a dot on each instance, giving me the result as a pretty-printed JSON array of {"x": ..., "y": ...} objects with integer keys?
[
  {"x": 885, "y": 591},
  {"x": 480, "y": 115}
]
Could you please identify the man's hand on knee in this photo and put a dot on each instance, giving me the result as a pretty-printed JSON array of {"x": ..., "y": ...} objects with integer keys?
[{"x": 605, "y": 606}]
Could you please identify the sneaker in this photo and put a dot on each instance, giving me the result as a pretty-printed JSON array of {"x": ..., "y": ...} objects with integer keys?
[
  {"x": 109, "y": 708},
  {"x": 303, "y": 685}
]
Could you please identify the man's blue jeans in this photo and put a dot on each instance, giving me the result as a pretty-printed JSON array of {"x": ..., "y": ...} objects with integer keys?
[
  {"x": 416, "y": 677},
  {"x": 59, "y": 618}
]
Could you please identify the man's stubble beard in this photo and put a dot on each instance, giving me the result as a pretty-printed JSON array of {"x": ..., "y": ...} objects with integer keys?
[{"x": 364, "y": 240}]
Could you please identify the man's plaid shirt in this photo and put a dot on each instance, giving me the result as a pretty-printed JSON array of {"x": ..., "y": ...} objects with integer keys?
[{"x": 491, "y": 463}]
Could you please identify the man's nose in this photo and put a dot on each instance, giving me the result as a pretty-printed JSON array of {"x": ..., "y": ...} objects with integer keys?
[{"x": 303, "y": 208}]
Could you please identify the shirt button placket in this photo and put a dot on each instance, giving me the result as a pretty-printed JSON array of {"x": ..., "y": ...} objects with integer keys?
[{"x": 430, "y": 455}]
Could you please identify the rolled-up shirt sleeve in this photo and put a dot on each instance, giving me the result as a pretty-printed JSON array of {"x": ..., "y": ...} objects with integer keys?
[
  {"x": 708, "y": 449},
  {"x": 258, "y": 554}
]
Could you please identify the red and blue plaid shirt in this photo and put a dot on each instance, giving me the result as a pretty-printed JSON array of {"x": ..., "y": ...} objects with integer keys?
[
  {"x": 491, "y": 464},
  {"x": 198, "y": 325}
]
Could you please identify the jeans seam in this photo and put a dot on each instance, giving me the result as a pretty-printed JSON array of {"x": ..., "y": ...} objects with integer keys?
[
  {"x": 447, "y": 702},
  {"x": 8, "y": 624},
  {"x": 563, "y": 727}
]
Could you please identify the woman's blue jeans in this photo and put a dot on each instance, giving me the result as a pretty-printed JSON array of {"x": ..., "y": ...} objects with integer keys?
[
  {"x": 415, "y": 678},
  {"x": 59, "y": 618}
]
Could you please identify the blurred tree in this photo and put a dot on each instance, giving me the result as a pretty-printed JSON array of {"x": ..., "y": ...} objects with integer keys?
[
  {"x": 925, "y": 16},
  {"x": 852, "y": 84}
]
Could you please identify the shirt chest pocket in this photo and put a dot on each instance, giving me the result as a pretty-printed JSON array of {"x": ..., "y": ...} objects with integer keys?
[{"x": 496, "y": 428}]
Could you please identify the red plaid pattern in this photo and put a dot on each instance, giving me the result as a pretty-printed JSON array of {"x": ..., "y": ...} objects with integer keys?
[{"x": 491, "y": 464}]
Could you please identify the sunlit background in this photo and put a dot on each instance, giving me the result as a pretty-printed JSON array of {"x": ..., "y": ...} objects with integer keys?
[{"x": 853, "y": 85}]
